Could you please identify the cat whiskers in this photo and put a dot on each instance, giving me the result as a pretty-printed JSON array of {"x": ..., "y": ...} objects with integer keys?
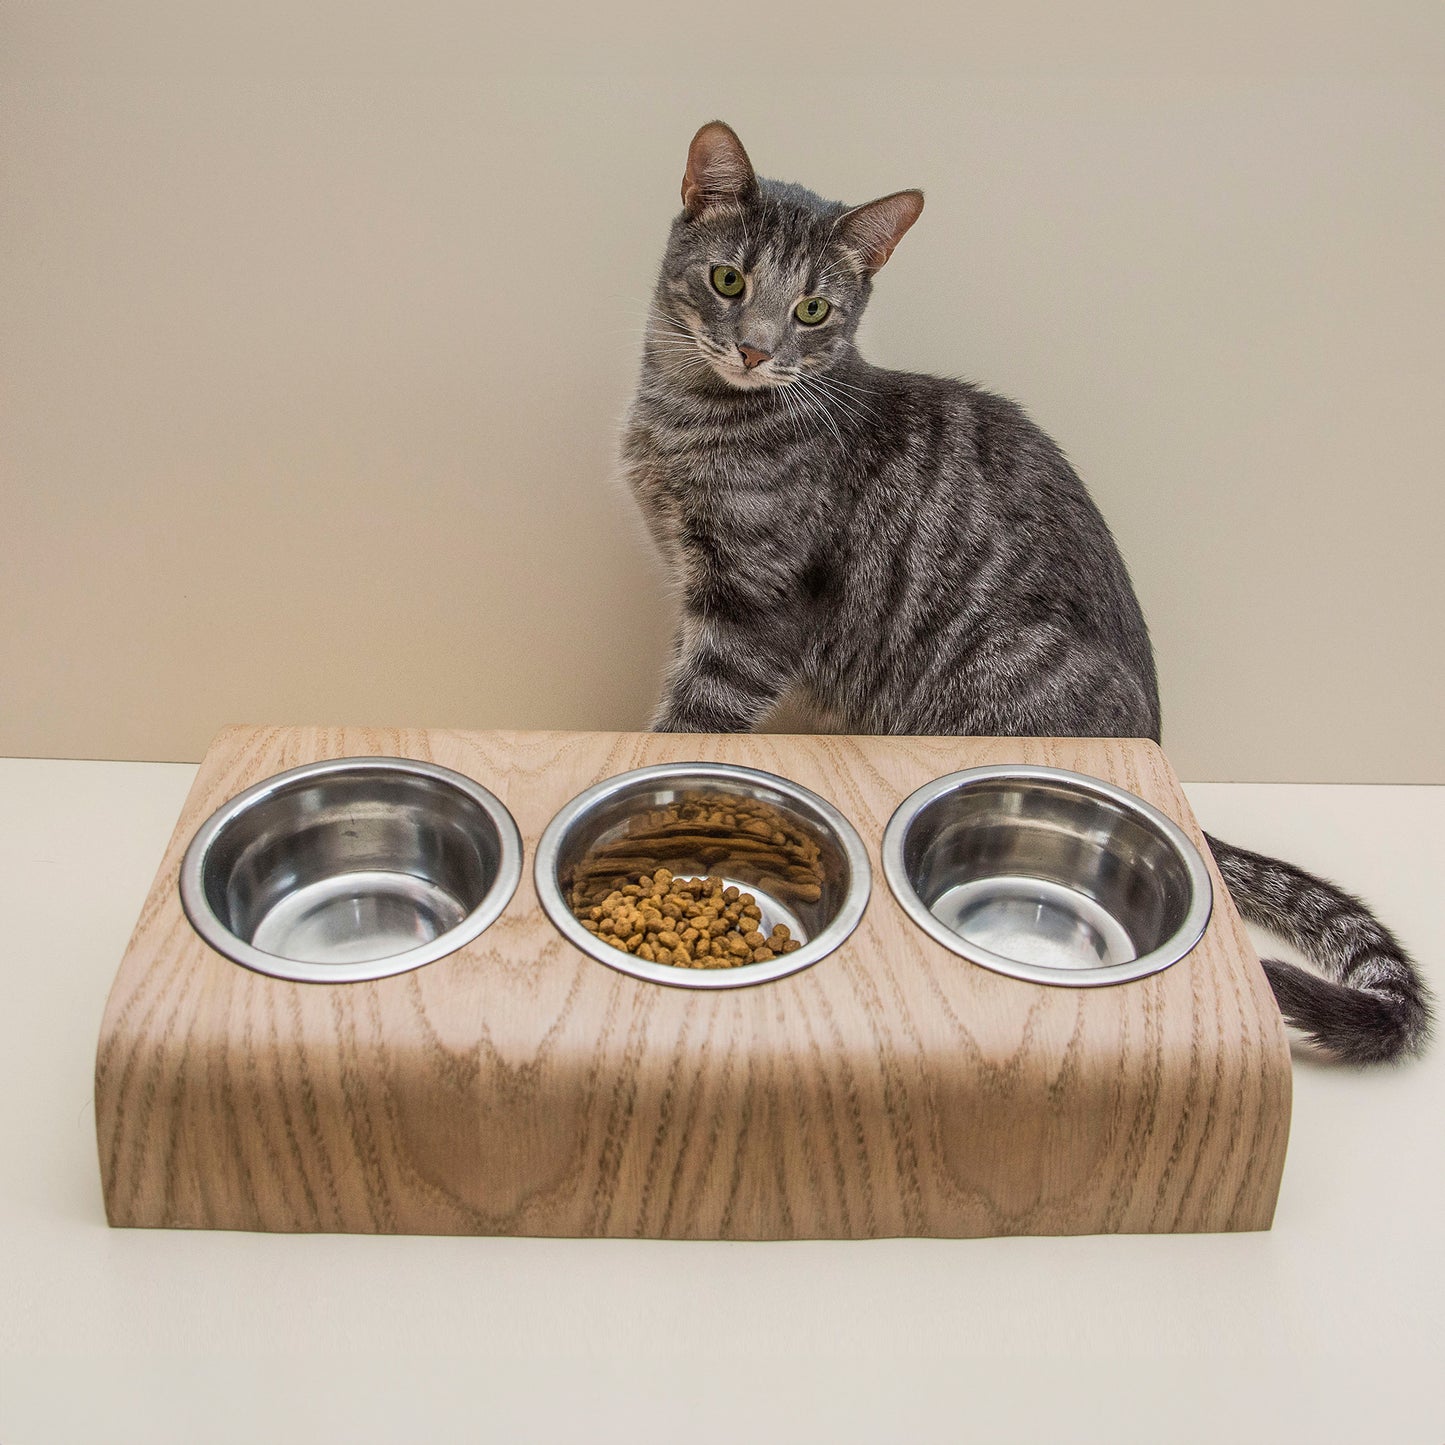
[
  {"x": 674, "y": 345},
  {"x": 829, "y": 403},
  {"x": 663, "y": 326},
  {"x": 680, "y": 359},
  {"x": 812, "y": 405},
  {"x": 794, "y": 412},
  {"x": 816, "y": 373},
  {"x": 838, "y": 383},
  {"x": 822, "y": 389}
]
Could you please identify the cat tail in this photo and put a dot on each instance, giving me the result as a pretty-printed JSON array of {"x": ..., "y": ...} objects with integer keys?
[{"x": 1371, "y": 1006}]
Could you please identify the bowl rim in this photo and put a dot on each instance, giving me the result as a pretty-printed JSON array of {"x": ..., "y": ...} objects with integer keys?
[
  {"x": 837, "y": 931},
  {"x": 218, "y": 936},
  {"x": 1170, "y": 951}
]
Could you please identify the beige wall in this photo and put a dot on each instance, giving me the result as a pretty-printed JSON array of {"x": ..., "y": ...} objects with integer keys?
[{"x": 316, "y": 328}]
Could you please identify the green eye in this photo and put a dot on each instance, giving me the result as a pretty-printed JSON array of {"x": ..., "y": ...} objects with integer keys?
[
  {"x": 727, "y": 280},
  {"x": 811, "y": 310}
]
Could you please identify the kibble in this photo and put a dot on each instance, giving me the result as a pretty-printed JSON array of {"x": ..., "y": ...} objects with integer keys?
[
  {"x": 704, "y": 833},
  {"x": 723, "y": 928},
  {"x": 687, "y": 915}
]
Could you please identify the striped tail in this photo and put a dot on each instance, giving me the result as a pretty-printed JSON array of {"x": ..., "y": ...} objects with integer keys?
[{"x": 1371, "y": 1006}]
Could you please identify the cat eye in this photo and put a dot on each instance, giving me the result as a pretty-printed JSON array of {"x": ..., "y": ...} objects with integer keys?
[
  {"x": 811, "y": 310},
  {"x": 727, "y": 280}
]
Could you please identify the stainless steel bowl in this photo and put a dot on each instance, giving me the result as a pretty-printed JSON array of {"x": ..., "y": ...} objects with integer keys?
[
  {"x": 1047, "y": 875},
  {"x": 795, "y": 852},
  {"x": 351, "y": 869}
]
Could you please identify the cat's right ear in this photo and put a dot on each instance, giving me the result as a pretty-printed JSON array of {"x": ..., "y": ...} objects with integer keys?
[
  {"x": 718, "y": 172},
  {"x": 872, "y": 231}
]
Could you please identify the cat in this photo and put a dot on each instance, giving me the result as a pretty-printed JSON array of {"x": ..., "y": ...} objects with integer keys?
[{"x": 912, "y": 553}]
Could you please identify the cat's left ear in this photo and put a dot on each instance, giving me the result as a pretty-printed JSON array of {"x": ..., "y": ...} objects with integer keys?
[
  {"x": 871, "y": 231},
  {"x": 718, "y": 170}
]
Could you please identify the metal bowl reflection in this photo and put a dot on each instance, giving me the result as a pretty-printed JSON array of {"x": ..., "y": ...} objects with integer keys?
[
  {"x": 797, "y": 855},
  {"x": 1047, "y": 875},
  {"x": 356, "y": 868}
]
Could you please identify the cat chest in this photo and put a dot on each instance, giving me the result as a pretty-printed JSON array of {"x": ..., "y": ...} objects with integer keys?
[
  {"x": 725, "y": 527},
  {"x": 732, "y": 518}
]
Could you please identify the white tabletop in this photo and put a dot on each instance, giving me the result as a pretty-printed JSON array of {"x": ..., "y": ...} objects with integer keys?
[{"x": 1331, "y": 1327}]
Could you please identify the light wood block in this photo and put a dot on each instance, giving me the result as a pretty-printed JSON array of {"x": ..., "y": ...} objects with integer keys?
[{"x": 520, "y": 1087}]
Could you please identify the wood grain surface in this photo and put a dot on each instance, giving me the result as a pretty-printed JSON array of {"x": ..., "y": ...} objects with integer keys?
[{"x": 520, "y": 1087}]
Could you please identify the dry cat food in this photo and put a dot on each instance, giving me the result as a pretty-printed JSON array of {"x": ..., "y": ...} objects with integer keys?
[
  {"x": 704, "y": 834},
  {"x": 687, "y": 922}
]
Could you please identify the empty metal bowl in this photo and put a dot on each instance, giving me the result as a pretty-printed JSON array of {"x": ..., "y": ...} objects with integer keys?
[
  {"x": 351, "y": 869},
  {"x": 1047, "y": 875},
  {"x": 793, "y": 851}
]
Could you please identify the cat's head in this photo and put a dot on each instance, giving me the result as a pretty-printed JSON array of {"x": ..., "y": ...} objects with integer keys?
[{"x": 763, "y": 281}]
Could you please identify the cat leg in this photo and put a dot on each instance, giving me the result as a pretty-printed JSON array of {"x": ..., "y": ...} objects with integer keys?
[{"x": 725, "y": 676}]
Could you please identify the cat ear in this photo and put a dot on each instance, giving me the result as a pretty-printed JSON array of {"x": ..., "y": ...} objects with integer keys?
[
  {"x": 718, "y": 170},
  {"x": 874, "y": 229}
]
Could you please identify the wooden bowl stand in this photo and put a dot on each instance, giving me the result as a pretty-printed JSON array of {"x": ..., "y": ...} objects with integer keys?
[{"x": 520, "y": 1087}]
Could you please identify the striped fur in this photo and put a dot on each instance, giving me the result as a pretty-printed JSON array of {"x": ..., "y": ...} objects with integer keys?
[
  {"x": 910, "y": 553},
  {"x": 1371, "y": 1006}
]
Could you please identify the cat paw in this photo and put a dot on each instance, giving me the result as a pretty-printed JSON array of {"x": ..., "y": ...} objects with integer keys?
[{"x": 677, "y": 721}]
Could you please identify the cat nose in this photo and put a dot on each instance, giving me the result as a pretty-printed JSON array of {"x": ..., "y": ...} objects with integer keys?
[{"x": 752, "y": 356}]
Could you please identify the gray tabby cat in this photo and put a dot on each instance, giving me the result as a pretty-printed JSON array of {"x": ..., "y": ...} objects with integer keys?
[{"x": 911, "y": 552}]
